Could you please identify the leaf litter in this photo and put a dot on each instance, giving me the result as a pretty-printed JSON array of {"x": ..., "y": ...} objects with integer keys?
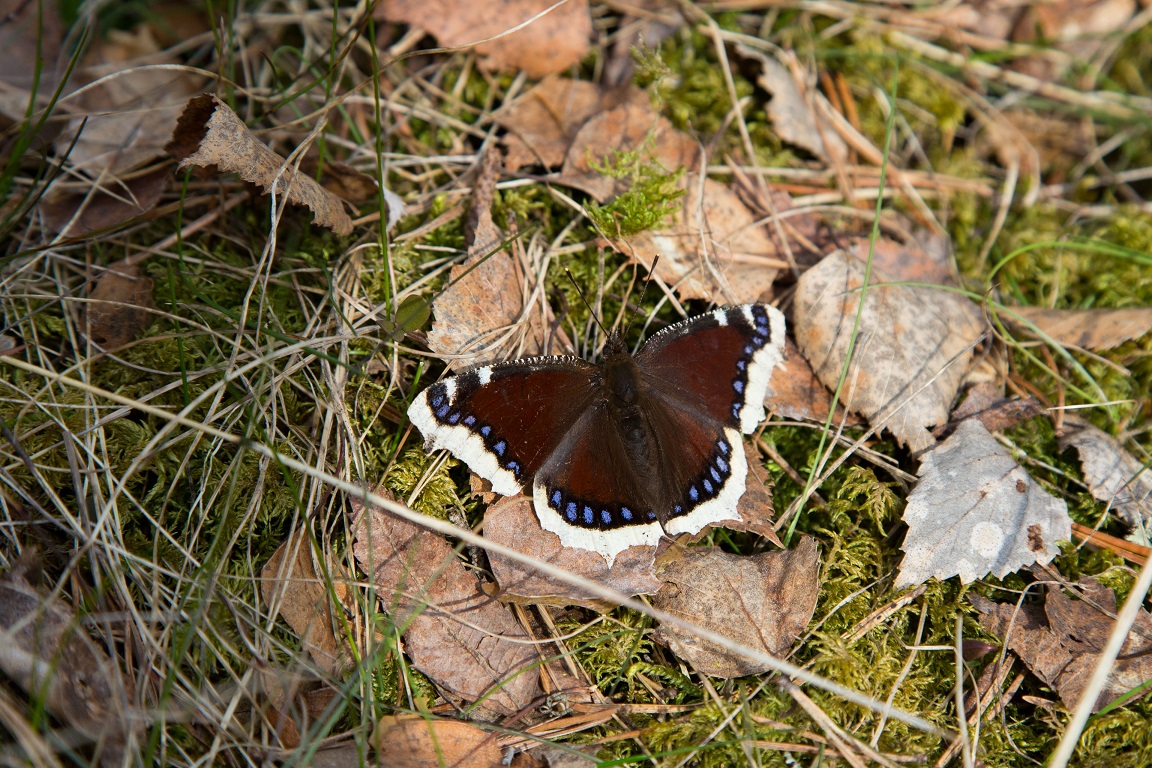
[
  {"x": 471, "y": 646},
  {"x": 1062, "y": 639},
  {"x": 1114, "y": 476},
  {"x": 722, "y": 242}
]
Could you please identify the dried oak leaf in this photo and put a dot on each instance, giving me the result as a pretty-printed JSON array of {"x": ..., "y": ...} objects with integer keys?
[
  {"x": 543, "y": 123},
  {"x": 715, "y": 250},
  {"x": 763, "y": 601},
  {"x": 464, "y": 641},
  {"x": 911, "y": 352},
  {"x": 292, "y": 587},
  {"x": 412, "y": 741},
  {"x": 47, "y": 652},
  {"x": 1061, "y": 641},
  {"x": 1095, "y": 329},
  {"x": 976, "y": 511},
  {"x": 119, "y": 307},
  {"x": 513, "y": 523},
  {"x": 1114, "y": 476},
  {"x": 105, "y": 204},
  {"x": 209, "y": 134},
  {"x": 549, "y": 44}
]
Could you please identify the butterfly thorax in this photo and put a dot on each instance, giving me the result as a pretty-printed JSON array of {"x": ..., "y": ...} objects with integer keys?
[{"x": 626, "y": 402}]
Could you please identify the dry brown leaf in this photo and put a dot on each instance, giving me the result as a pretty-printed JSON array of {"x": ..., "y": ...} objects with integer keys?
[
  {"x": 464, "y": 641},
  {"x": 986, "y": 403},
  {"x": 1095, "y": 329},
  {"x": 543, "y": 123},
  {"x": 30, "y": 37},
  {"x": 631, "y": 127},
  {"x": 1114, "y": 476},
  {"x": 795, "y": 393},
  {"x": 46, "y": 651},
  {"x": 411, "y": 741},
  {"x": 513, "y": 523},
  {"x": 291, "y": 586},
  {"x": 923, "y": 259},
  {"x": 976, "y": 511},
  {"x": 486, "y": 296},
  {"x": 763, "y": 601},
  {"x": 119, "y": 308},
  {"x": 209, "y": 134},
  {"x": 107, "y": 204},
  {"x": 1061, "y": 641},
  {"x": 125, "y": 120},
  {"x": 550, "y": 44},
  {"x": 715, "y": 250},
  {"x": 911, "y": 353},
  {"x": 792, "y": 109}
]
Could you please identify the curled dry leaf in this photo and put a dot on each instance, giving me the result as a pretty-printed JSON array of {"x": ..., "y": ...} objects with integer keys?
[
  {"x": 986, "y": 403},
  {"x": 1061, "y": 641},
  {"x": 793, "y": 109},
  {"x": 308, "y": 601},
  {"x": 119, "y": 307},
  {"x": 411, "y": 741},
  {"x": 464, "y": 641},
  {"x": 976, "y": 511},
  {"x": 911, "y": 352},
  {"x": 209, "y": 134},
  {"x": 46, "y": 651},
  {"x": 763, "y": 601},
  {"x": 513, "y": 523},
  {"x": 1114, "y": 476},
  {"x": 1095, "y": 329},
  {"x": 549, "y": 44},
  {"x": 543, "y": 123}
]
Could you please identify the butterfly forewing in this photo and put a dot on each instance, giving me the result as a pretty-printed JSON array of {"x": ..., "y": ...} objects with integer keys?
[
  {"x": 733, "y": 352},
  {"x": 505, "y": 420}
]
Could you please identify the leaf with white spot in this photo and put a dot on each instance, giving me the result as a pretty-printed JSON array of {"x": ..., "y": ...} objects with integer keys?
[{"x": 976, "y": 511}]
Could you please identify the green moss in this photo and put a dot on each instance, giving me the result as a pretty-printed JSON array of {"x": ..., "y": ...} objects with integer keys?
[
  {"x": 438, "y": 494},
  {"x": 648, "y": 202}
]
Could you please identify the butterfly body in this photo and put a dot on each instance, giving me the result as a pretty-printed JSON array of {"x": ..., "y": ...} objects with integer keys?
[{"x": 617, "y": 453}]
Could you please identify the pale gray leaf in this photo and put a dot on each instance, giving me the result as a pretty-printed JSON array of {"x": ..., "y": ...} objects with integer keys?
[{"x": 976, "y": 511}]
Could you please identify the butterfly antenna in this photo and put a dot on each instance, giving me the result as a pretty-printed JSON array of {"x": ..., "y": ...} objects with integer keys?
[
  {"x": 583, "y": 298},
  {"x": 643, "y": 292}
]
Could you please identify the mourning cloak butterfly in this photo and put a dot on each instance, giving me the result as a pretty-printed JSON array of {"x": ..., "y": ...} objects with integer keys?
[{"x": 618, "y": 452}]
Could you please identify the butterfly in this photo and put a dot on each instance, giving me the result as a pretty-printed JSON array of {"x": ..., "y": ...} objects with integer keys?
[{"x": 619, "y": 452}]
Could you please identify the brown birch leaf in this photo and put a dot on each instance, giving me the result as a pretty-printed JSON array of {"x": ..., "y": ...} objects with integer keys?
[
  {"x": 411, "y": 741},
  {"x": 1095, "y": 329},
  {"x": 467, "y": 643},
  {"x": 209, "y": 134},
  {"x": 910, "y": 353},
  {"x": 119, "y": 308},
  {"x": 46, "y": 651},
  {"x": 1061, "y": 642},
  {"x": 763, "y": 601},
  {"x": 513, "y": 523},
  {"x": 291, "y": 586}
]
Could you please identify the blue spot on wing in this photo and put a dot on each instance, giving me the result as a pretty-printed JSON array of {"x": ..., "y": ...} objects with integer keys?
[
  {"x": 738, "y": 386},
  {"x": 693, "y": 494},
  {"x": 626, "y": 513},
  {"x": 500, "y": 447},
  {"x": 589, "y": 515},
  {"x": 721, "y": 463},
  {"x": 606, "y": 517},
  {"x": 485, "y": 430},
  {"x": 570, "y": 511},
  {"x": 556, "y": 498}
]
